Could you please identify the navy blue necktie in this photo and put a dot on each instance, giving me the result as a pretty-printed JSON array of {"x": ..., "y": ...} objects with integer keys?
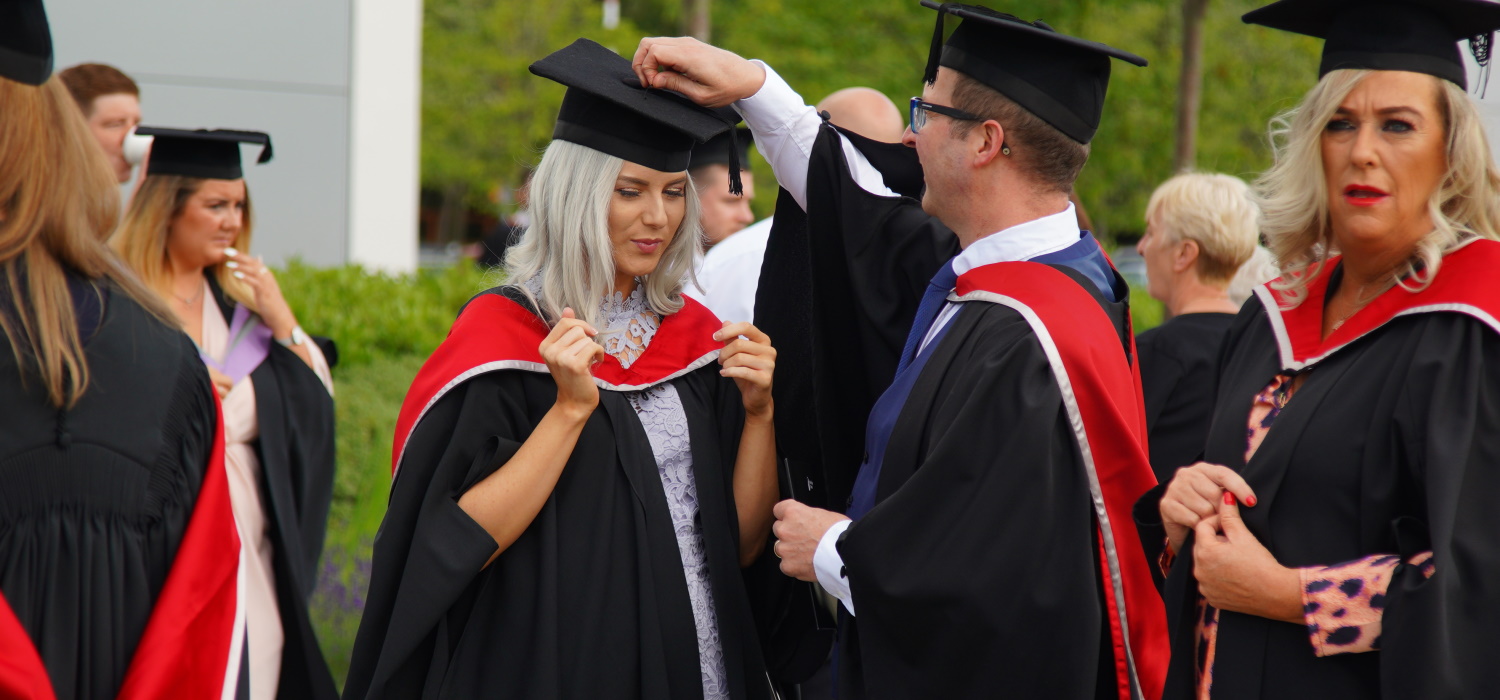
[{"x": 927, "y": 311}]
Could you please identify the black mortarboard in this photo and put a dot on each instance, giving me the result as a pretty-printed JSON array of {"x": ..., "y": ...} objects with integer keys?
[
  {"x": 25, "y": 42},
  {"x": 1420, "y": 36},
  {"x": 732, "y": 145},
  {"x": 606, "y": 109},
  {"x": 1060, "y": 78},
  {"x": 212, "y": 154}
]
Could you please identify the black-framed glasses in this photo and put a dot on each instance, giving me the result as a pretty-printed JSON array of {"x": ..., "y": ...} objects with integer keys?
[{"x": 920, "y": 108}]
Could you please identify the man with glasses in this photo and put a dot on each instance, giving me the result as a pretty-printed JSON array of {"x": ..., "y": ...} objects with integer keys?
[{"x": 988, "y": 547}]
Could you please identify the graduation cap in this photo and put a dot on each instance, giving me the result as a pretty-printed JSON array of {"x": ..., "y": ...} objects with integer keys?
[
  {"x": 732, "y": 145},
  {"x": 212, "y": 154},
  {"x": 25, "y": 42},
  {"x": 606, "y": 109},
  {"x": 1057, "y": 77},
  {"x": 1420, "y": 36}
]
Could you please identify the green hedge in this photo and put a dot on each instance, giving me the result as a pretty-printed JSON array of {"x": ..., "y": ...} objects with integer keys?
[{"x": 385, "y": 326}]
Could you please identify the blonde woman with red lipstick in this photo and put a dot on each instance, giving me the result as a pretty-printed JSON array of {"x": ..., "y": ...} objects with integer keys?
[
  {"x": 586, "y": 463},
  {"x": 1337, "y": 541}
]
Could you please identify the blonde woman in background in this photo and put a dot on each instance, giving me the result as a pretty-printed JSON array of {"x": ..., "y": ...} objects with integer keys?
[
  {"x": 1200, "y": 228},
  {"x": 1337, "y": 541},
  {"x": 118, "y": 553},
  {"x": 187, "y": 234}
]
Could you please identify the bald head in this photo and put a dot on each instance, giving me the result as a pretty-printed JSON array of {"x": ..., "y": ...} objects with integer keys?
[{"x": 865, "y": 111}]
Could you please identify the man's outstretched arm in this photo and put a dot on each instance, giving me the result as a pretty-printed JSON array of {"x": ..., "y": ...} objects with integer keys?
[{"x": 785, "y": 127}]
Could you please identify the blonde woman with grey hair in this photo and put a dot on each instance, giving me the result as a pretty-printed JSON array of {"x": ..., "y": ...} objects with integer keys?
[
  {"x": 1337, "y": 540},
  {"x": 1200, "y": 228},
  {"x": 586, "y": 463}
]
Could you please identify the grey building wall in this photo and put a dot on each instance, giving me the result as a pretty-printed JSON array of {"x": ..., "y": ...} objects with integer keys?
[{"x": 279, "y": 66}]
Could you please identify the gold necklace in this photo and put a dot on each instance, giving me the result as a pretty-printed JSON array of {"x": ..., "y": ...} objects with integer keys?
[{"x": 1361, "y": 301}]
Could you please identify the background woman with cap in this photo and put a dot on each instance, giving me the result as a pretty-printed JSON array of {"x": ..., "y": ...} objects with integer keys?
[
  {"x": 118, "y": 553},
  {"x": 585, "y": 464},
  {"x": 1365, "y": 379},
  {"x": 187, "y": 234}
]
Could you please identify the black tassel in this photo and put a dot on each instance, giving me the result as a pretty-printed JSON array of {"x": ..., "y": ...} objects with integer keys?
[
  {"x": 1479, "y": 46},
  {"x": 936, "y": 53},
  {"x": 736, "y": 187}
]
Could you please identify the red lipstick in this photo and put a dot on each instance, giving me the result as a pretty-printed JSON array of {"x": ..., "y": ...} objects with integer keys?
[{"x": 1364, "y": 195}]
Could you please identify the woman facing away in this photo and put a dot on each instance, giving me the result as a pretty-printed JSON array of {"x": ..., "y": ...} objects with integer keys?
[
  {"x": 1338, "y": 539},
  {"x": 118, "y": 552},
  {"x": 187, "y": 234},
  {"x": 586, "y": 463}
]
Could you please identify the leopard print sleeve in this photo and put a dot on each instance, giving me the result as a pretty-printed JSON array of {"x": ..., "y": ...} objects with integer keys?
[{"x": 1343, "y": 604}]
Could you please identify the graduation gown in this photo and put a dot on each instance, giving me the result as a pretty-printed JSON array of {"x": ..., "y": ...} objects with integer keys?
[
  {"x": 1389, "y": 446},
  {"x": 295, "y": 448},
  {"x": 1178, "y": 362},
  {"x": 591, "y": 600},
  {"x": 118, "y": 550}
]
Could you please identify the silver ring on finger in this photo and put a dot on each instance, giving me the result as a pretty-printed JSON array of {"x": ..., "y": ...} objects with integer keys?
[{"x": 774, "y": 550}]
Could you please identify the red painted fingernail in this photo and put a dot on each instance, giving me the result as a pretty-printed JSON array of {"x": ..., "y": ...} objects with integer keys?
[
  {"x": 1228, "y": 498},
  {"x": 1250, "y": 501}
]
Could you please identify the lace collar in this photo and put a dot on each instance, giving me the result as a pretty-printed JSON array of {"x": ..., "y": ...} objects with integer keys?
[{"x": 628, "y": 325}]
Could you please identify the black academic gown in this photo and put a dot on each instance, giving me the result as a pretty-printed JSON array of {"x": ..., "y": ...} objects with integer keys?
[
  {"x": 1179, "y": 360},
  {"x": 1389, "y": 446},
  {"x": 96, "y": 498},
  {"x": 295, "y": 447},
  {"x": 591, "y": 600}
]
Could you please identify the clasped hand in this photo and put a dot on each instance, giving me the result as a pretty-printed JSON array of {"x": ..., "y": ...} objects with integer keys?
[
  {"x": 1234, "y": 570},
  {"x": 749, "y": 359},
  {"x": 571, "y": 353}
]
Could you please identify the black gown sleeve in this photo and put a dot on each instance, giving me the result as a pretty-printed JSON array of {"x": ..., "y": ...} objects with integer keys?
[
  {"x": 295, "y": 412},
  {"x": 1439, "y": 635},
  {"x": 983, "y": 560},
  {"x": 428, "y": 550},
  {"x": 838, "y": 289}
]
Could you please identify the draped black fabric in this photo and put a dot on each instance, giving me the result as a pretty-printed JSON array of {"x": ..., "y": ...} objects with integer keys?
[
  {"x": 295, "y": 447},
  {"x": 591, "y": 600},
  {"x": 1394, "y": 437},
  {"x": 96, "y": 498},
  {"x": 837, "y": 293},
  {"x": 1178, "y": 362}
]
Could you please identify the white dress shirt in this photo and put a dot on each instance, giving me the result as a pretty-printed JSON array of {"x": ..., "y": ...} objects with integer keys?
[
  {"x": 785, "y": 128},
  {"x": 730, "y": 273}
]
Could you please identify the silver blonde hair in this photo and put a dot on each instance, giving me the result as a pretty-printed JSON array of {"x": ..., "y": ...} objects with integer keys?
[
  {"x": 564, "y": 258},
  {"x": 1294, "y": 193}
]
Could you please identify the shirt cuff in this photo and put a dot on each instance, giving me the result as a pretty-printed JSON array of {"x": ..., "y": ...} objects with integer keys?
[
  {"x": 829, "y": 565},
  {"x": 786, "y": 128}
]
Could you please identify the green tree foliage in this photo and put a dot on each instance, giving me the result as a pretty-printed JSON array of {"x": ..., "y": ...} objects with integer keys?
[{"x": 486, "y": 117}]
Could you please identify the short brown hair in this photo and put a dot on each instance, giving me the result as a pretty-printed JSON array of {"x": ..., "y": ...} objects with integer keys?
[
  {"x": 1052, "y": 157},
  {"x": 89, "y": 81}
]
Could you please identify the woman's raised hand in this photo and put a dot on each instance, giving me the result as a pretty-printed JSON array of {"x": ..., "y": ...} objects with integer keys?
[
  {"x": 571, "y": 353},
  {"x": 1194, "y": 495},
  {"x": 269, "y": 302},
  {"x": 750, "y": 360}
]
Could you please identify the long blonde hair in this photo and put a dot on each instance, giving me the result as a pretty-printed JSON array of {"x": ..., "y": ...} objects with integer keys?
[
  {"x": 567, "y": 244},
  {"x": 1294, "y": 193},
  {"x": 141, "y": 239},
  {"x": 57, "y": 203}
]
